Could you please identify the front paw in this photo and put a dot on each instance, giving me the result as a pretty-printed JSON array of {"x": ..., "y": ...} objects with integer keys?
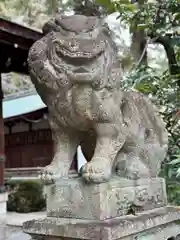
[
  {"x": 96, "y": 171},
  {"x": 47, "y": 175},
  {"x": 51, "y": 173}
]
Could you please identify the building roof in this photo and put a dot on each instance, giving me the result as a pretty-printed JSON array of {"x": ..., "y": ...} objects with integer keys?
[
  {"x": 16, "y": 105},
  {"x": 15, "y": 42}
]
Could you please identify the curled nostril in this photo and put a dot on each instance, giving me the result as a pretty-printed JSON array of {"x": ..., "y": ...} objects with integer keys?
[{"x": 72, "y": 44}]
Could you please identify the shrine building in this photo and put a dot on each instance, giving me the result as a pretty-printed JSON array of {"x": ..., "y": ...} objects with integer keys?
[
  {"x": 15, "y": 41},
  {"x": 25, "y": 137},
  {"x": 28, "y": 137}
]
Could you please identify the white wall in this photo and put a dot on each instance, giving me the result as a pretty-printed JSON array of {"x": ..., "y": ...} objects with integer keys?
[{"x": 81, "y": 158}]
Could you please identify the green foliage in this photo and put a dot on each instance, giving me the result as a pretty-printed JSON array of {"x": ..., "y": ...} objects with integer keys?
[
  {"x": 154, "y": 16},
  {"x": 25, "y": 196},
  {"x": 108, "y": 5},
  {"x": 173, "y": 193},
  {"x": 164, "y": 92},
  {"x": 160, "y": 21},
  {"x": 87, "y": 8}
]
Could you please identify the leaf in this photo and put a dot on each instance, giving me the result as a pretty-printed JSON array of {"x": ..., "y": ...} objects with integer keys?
[
  {"x": 145, "y": 88},
  {"x": 175, "y": 161},
  {"x": 110, "y": 7},
  {"x": 142, "y": 26},
  {"x": 170, "y": 173},
  {"x": 124, "y": 2},
  {"x": 175, "y": 41},
  {"x": 178, "y": 173}
]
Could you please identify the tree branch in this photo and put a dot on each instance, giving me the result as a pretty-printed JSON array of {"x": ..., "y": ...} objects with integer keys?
[{"x": 170, "y": 52}]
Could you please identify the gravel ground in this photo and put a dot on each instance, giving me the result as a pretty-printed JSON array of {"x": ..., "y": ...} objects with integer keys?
[
  {"x": 14, "y": 233},
  {"x": 14, "y": 221}
]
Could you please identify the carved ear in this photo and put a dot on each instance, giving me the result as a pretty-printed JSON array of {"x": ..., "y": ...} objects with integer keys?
[
  {"x": 49, "y": 27},
  {"x": 74, "y": 23},
  {"x": 52, "y": 26},
  {"x": 78, "y": 23}
]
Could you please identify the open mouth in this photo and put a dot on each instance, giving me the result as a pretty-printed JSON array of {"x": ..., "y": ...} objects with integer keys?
[
  {"x": 80, "y": 70},
  {"x": 80, "y": 54},
  {"x": 89, "y": 53}
]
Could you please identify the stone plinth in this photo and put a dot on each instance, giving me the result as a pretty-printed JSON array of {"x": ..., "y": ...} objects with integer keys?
[
  {"x": 160, "y": 224},
  {"x": 73, "y": 198},
  {"x": 3, "y": 201},
  {"x": 119, "y": 209}
]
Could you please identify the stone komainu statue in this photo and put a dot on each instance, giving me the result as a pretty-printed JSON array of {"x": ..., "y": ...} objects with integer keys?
[{"x": 75, "y": 70}]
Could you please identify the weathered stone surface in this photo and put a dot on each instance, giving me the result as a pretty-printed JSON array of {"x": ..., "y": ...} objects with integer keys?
[
  {"x": 167, "y": 232},
  {"x": 2, "y": 228},
  {"x": 73, "y": 198},
  {"x": 159, "y": 223},
  {"x": 75, "y": 69}
]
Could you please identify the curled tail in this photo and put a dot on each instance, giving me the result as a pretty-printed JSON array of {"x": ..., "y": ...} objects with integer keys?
[{"x": 146, "y": 124}]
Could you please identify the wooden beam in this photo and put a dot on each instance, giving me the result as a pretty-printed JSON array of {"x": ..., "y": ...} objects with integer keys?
[
  {"x": 15, "y": 42},
  {"x": 13, "y": 59},
  {"x": 2, "y": 156},
  {"x": 17, "y": 30}
]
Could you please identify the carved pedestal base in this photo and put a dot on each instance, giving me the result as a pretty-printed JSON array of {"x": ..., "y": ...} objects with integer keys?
[
  {"x": 161, "y": 224},
  {"x": 119, "y": 209},
  {"x": 75, "y": 199}
]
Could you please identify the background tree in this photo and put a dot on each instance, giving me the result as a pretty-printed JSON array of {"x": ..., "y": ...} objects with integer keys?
[{"x": 156, "y": 22}]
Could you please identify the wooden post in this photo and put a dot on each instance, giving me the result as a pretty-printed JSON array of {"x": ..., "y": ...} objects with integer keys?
[{"x": 2, "y": 156}]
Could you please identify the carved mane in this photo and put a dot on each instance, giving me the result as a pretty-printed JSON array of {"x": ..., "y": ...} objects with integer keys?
[{"x": 41, "y": 56}]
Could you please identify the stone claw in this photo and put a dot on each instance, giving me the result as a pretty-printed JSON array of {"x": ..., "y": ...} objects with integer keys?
[
  {"x": 97, "y": 171},
  {"x": 46, "y": 176},
  {"x": 51, "y": 173}
]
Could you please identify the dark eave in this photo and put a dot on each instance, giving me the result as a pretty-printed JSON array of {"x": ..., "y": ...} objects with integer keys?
[
  {"x": 15, "y": 42},
  {"x": 31, "y": 116}
]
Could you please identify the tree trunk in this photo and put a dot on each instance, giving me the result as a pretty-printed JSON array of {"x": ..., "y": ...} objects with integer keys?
[
  {"x": 174, "y": 68},
  {"x": 139, "y": 42}
]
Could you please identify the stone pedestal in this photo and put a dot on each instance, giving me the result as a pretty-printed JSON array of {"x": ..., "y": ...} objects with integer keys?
[
  {"x": 120, "y": 209},
  {"x": 75, "y": 199},
  {"x": 160, "y": 224}
]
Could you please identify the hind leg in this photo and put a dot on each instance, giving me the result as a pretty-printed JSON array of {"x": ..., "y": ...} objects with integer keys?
[
  {"x": 130, "y": 165},
  {"x": 144, "y": 155}
]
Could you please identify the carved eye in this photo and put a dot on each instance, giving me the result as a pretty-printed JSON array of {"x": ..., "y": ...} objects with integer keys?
[
  {"x": 57, "y": 47},
  {"x": 58, "y": 44},
  {"x": 73, "y": 45}
]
